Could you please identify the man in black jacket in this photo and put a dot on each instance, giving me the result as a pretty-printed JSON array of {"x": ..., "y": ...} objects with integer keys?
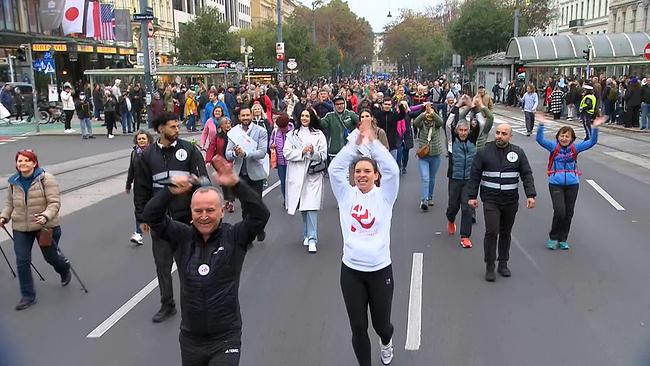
[
  {"x": 497, "y": 169},
  {"x": 210, "y": 254},
  {"x": 168, "y": 157}
]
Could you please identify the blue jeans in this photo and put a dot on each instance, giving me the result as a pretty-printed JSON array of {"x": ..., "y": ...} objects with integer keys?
[
  {"x": 310, "y": 225},
  {"x": 282, "y": 174},
  {"x": 191, "y": 122},
  {"x": 86, "y": 127},
  {"x": 402, "y": 156},
  {"x": 395, "y": 154},
  {"x": 137, "y": 227},
  {"x": 23, "y": 241},
  {"x": 428, "y": 169},
  {"x": 645, "y": 110},
  {"x": 127, "y": 122}
]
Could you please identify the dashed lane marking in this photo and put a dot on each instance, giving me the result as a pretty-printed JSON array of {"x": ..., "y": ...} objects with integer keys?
[
  {"x": 414, "y": 327},
  {"x": 606, "y": 195}
]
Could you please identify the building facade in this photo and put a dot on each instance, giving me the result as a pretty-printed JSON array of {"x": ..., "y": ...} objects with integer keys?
[
  {"x": 379, "y": 65},
  {"x": 578, "y": 17},
  {"x": 266, "y": 10},
  {"x": 628, "y": 16},
  {"x": 237, "y": 13}
]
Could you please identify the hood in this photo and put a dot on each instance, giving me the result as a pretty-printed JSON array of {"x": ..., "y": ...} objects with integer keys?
[{"x": 37, "y": 173}]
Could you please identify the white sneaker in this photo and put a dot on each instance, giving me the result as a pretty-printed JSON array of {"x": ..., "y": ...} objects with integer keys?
[
  {"x": 312, "y": 247},
  {"x": 72, "y": 130},
  {"x": 136, "y": 239},
  {"x": 386, "y": 352},
  {"x": 66, "y": 131},
  {"x": 305, "y": 242},
  {"x": 111, "y": 136}
]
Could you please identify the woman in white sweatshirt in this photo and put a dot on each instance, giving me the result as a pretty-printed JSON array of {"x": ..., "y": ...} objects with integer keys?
[
  {"x": 365, "y": 213},
  {"x": 305, "y": 151}
]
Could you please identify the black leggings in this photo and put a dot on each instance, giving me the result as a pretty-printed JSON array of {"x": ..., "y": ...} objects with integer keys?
[
  {"x": 564, "y": 202},
  {"x": 363, "y": 289},
  {"x": 109, "y": 118}
]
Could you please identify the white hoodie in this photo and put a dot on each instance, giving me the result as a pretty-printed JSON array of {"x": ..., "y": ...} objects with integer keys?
[{"x": 365, "y": 217}]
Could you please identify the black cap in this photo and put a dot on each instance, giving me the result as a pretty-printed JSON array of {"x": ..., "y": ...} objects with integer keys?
[{"x": 338, "y": 97}]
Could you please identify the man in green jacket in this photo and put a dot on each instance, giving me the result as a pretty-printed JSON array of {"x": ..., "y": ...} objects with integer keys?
[{"x": 337, "y": 124}]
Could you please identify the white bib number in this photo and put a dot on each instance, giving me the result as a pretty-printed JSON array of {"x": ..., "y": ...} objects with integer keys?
[
  {"x": 512, "y": 156},
  {"x": 204, "y": 269},
  {"x": 181, "y": 154}
]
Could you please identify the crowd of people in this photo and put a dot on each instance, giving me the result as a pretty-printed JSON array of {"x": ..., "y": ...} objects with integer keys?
[{"x": 357, "y": 135}]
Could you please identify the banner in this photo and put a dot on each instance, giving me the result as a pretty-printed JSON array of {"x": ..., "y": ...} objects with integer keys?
[
  {"x": 51, "y": 13},
  {"x": 123, "y": 25}
]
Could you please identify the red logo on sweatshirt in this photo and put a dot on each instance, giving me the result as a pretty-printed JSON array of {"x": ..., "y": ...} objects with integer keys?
[{"x": 363, "y": 217}]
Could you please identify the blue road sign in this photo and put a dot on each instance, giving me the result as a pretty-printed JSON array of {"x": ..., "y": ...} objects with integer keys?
[
  {"x": 49, "y": 66},
  {"x": 47, "y": 56}
]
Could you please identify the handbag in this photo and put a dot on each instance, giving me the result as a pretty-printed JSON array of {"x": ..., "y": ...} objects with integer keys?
[
  {"x": 274, "y": 158},
  {"x": 424, "y": 150},
  {"x": 315, "y": 168},
  {"x": 44, "y": 237}
]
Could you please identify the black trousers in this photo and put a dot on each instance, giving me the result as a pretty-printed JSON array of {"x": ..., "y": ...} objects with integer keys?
[
  {"x": 109, "y": 118},
  {"x": 68, "y": 118},
  {"x": 564, "y": 202},
  {"x": 257, "y": 185},
  {"x": 202, "y": 351},
  {"x": 499, "y": 220},
  {"x": 360, "y": 291},
  {"x": 163, "y": 257},
  {"x": 458, "y": 198}
]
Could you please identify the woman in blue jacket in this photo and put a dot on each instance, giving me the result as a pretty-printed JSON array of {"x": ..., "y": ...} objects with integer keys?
[{"x": 564, "y": 176}]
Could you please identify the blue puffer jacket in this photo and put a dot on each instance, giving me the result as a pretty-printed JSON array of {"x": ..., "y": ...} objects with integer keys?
[
  {"x": 462, "y": 156},
  {"x": 564, "y": 168}
]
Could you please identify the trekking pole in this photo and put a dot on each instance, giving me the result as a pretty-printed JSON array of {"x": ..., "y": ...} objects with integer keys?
[
  {"x": 83, "y": 287},
  {"x": 30, "y": 262},
  {"x": 7, "y": 260}
]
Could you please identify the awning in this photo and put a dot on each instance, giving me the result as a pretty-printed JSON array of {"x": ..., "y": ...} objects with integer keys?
[
  {"x": 178, "y": 70},
  {"x": 571, "y": 46}
]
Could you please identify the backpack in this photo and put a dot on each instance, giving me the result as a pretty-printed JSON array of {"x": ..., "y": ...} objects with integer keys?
[
  {"x": 556, "y": 151},
  {"x": 612, "y": 95}
]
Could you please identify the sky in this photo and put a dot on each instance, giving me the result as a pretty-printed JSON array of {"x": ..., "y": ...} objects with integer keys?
[{"x": 375, "y": 11}]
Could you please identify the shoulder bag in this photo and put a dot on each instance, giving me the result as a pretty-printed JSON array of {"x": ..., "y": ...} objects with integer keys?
[{"x": 424, "y": 150}]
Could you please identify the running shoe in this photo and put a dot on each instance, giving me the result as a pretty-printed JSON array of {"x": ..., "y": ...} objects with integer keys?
[
  {"x": 386, "y": 352},
  {"x": 305, "y": 242},
  {"x": 136, "y": 238},
  {"x": 312, "y": 247},
  {"x": 564, "y": 245},
  {"x": 551, "y": 244},
  {"x": 465, "y": 243},
  {"x": 430, "y": 201},
  {"x": 423, "y": 205},
  {"x": 451, "y": 227}
]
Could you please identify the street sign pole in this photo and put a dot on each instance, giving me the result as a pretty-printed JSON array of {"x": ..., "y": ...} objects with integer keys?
[
  {"x": 30, "y": 60},
  {"x": 144, "y": 38},
  {"x": 280, "y": 62}
]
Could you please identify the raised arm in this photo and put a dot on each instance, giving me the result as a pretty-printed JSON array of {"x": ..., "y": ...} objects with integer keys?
[
  {"x": 338, "y": 170},
  {"x": 254, "y": 223},
  {"x": 389, "y": 171}
]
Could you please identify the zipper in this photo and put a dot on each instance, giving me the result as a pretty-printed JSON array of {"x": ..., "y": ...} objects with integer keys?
[
  {"x": 464, "y": 146},
  {"x": 203, "y": 291}
]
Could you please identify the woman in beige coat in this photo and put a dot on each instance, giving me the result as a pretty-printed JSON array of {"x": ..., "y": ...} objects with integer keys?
[{"x": 33, "y": 203}]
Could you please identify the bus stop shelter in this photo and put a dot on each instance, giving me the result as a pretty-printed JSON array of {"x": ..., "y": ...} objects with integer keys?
[
  {"x": 613, "y": 54},
  {"x": 187, "y": 74}
]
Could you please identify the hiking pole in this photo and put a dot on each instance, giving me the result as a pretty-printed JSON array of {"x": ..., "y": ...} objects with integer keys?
[
  {"x": 30, "y": 262},
  {"x": 7, "y": 260},
  {"x": 83, "y": 287}
]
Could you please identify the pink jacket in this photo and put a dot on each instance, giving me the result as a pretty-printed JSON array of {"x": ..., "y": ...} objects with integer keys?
[{"x": 208, "y": 134}]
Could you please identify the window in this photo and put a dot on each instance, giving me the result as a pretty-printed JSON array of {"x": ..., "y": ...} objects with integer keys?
[
  {"x": 599, "y": 4},
  {"x": 582, "y": 10},
  {"x": 8, "y": 15},
  {"x": 562, "y": 15},
  {"x": 633, "y": 18},
  {"x": 587, "y": 15}
]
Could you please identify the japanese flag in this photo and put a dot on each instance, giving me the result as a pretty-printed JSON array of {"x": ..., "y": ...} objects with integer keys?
[{"x": 73, "y": 16}]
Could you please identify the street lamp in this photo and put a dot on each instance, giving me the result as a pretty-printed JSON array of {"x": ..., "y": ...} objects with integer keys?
[{"x": 389, "y": 15}]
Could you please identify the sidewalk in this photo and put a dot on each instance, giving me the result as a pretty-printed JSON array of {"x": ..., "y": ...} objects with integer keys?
[{"x": 29, "y": 129}]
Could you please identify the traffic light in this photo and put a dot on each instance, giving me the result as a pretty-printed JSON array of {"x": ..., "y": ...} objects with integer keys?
[
  {"x": 20, "y": 55},
  {"x": 589, "y": 55},
  {"x": 251, "y": 59}
]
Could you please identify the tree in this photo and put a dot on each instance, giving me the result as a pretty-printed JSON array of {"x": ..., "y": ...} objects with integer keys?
[
  {"x": 206, "y": 37},
  {"x": 483, "y": 26},
  {"x": 536, "y": 14}
]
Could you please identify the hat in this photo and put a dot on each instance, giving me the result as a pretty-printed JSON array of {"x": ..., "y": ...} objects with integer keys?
[
  {"x": 338, "y": 97},
  {"x": 588, "y": 87}
]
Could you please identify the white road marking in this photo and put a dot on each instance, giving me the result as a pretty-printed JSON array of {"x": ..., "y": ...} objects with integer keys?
[
  {"x": 526, "y": 254},
  {"x": 606, "y": 195},
  {"x": 2, "y": 143},
  {"x": 269, "y": 189},
  {"x": 634, "y": 159},
  {"x": 129, "y": 305},
  {"x": 124, "y": 309},
  {"x": 414, "y": 327}
]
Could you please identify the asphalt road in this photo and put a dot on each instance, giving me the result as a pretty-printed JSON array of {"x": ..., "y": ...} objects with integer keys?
[{"x": 585, "y": 306}]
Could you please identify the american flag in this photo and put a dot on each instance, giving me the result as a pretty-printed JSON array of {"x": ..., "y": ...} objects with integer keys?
[{"x": 107, "y": 22}]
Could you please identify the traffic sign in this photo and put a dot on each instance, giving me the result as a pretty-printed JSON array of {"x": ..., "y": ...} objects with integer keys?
[
  {"x": 49, "y": 67},
  {"x": 239, "y": 67},
  {"x": 47, "y": 55},
  {"x": 646, "y": 51},
  {"x": 279, "y": 57},
  {"x": 150, "y": 29},
  {"x": 153, "y": 70},
  {"x": 141, "y": 17},
  {"x": 279, "y": 47},
  {"x": 292, "y": 64}
]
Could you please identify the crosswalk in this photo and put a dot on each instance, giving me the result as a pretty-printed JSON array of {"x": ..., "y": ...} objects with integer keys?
[{"x": 8, "y": 139}]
